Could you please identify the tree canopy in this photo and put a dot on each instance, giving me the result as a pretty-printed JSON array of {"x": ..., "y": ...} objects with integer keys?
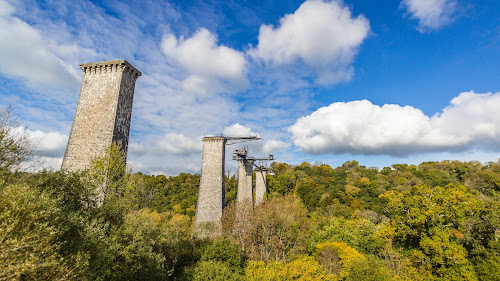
[{"x": 433, "y": 221}]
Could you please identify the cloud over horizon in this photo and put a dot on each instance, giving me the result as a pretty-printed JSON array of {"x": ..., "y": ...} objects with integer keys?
[{"x": 360, "y": 127}]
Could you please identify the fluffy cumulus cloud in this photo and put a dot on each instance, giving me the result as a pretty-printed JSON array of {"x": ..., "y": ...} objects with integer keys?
[
  {"x": 431, "y": 14},
  {"x": 49, "y": 148},
  {"x": 205, "y": 61},
  {"x": 26, "y": 54},
  {"x": 50, "y": 144},
  {"x": 169, "y": 154},
  {"x": 179, "y": 144},
  {"x": 271, "y": 146},
  {"x": 46, "y": 144},
  {"x": 238, "y": 130},
  {"x": 469, "y": 121},
  {"x": 323, "y": 35}
]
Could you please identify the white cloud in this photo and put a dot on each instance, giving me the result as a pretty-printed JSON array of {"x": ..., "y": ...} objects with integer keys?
[
  {"x": 321, "y": 34},
  {"x": 238, "y": 130},
  {"x": 26, "y": 54},
  {"x": 179, "y": 144},
  {"x": 271, "y": 146},
  {"x": 431, "y": 14},
  {"x": 204, "y": 59},
  {"x": 51, "y": 143},
  {"x": 47, "y": 144},
  {"x": 50, "y": 163},
  {"x": 470, "y": 121},
  {"x": 49, "y": 148}
]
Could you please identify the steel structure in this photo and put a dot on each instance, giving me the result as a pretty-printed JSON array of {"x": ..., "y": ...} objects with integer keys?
[{"x": 239, "y": 139}]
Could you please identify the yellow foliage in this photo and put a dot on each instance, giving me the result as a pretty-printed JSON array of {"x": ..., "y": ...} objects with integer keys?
[
  {"x": 345, "y": 253},
  {"x": 177, "y": 208},
  {"x": 386, "y": 232},
  {"x": 351, "y": 189},
  {"x": 355, "y": 204},
  {"x": 364, "y": 181},
  {"x": 304, "y": 268},
  {"x": 260, "y": 271},
  {"x": 191, "y": 208},
  {"x": 147, "y": 215}
]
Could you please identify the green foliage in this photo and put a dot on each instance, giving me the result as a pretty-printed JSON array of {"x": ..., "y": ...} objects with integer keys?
[
  {"x": 29, "y": 233},
  {"x": 223, "y": 250},
  {"x": 488, "y": 268},
  {"x": 434, "y": 221},
  {"x": 178, "y": 193},
  {"x": 220, "y": 259},
  {"x": 368, "y": 269},
  {"x": 486, "y": 181},
  {"x": 359, "y": 232},
  {"x": 212, "y": 270},
  {"x": 138, "y": 248},
  {"x": 431, "y": 221}
]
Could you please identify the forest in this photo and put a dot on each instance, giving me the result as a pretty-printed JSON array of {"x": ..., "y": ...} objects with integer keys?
[{"x": 434, "y": 221}]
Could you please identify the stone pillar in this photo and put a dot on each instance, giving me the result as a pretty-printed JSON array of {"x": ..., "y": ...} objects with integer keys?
[
  {"x": 245, "y": 181},
  {"x": 249, "y": 171},
  {"x": 244, "y": 196},
  {"x": 211, "y": 195},
  {"x": 102, "y": 114},
  {"x": 260, "y": 185}
]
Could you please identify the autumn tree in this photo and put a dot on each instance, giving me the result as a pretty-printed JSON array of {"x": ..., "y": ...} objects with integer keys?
[
  {"x": 430, "y": 221},
  {"x": 16, "y": 146}
]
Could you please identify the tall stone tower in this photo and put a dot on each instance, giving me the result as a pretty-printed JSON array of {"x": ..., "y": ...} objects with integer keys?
[
  {"x": 211, "y": 195},
  {"x": 244, "y": 195},
  {"x": 245, "y": 181},
  {"x": 103, "y": 112},
  {"x": 260, "y": 185}
]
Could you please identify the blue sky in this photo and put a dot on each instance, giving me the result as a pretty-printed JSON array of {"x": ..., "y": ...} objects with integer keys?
[{"x": 381, "y": 82}]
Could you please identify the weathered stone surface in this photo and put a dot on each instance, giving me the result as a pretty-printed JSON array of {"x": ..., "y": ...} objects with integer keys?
[
  {"x": 245, "y": 181},
  {"x": 244, "y": 195},
  {"x": 103, "y": 112},
  {"x": 211, "y": 195},
  {"x": 260, "y": 185}
]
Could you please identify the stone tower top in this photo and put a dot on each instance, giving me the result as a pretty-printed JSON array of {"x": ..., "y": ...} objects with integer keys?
[
  {"x": 215, "y": 138},
  {"x": 109, "y": 66}
]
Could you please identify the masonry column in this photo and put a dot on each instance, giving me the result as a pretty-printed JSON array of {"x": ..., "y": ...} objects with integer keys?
[
  {"x": 102, "y": 114},
  {"x": 260, "y": 185},
  {"x": 211, "y": 194},
  {"x": 245, "y": 182}
]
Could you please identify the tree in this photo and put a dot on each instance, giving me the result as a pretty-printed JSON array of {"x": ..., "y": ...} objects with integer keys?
[
  {"x": 430, "y": 221},
  {"x": 368, "y": 269},
  {"x": 337, "y": 257},
  {"x": 16, "y": 146},
  {"x": 138, "y": 248},
  {"x": 277, "y": 230}
]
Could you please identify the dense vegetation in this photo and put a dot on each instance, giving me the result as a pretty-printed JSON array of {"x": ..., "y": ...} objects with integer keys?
[{"x": 434, "y": 221}]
